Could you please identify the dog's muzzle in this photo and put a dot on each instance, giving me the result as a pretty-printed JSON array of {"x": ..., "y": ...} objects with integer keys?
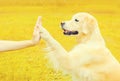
[{"x": 67, "y": 32}]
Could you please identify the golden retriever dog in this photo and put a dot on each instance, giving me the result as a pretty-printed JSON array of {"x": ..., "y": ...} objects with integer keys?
[{"x": 90, "y": 60}]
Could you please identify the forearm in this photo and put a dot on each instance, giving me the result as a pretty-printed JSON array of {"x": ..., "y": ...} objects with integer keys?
[{"x": 14, "y": 45}]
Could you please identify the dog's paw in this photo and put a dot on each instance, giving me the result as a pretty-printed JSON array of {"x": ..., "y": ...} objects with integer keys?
[{"x": 44, "y": 34}]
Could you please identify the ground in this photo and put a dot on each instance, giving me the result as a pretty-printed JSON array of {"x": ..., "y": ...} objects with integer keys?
[{"x": 29, "y": 64}]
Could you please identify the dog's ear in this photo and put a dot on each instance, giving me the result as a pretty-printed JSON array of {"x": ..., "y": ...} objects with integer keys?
[
  {"x": 88, "y": 25},
  {"x": 85, "y": 29}
]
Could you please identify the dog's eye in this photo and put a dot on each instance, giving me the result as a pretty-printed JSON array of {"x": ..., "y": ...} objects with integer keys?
[{"x": 76, "y": 20}]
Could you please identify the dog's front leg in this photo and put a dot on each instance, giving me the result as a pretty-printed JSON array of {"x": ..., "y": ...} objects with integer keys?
[{"x": 59, "y": 54}]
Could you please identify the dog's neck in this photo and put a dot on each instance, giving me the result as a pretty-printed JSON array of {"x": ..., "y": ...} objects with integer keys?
[{"x": 94, "y": 37}]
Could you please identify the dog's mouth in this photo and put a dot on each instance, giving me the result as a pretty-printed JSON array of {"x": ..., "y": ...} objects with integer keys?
[{"x": 67, "y": 32}]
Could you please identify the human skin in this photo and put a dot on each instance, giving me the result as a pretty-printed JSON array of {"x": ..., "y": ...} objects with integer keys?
[{"x": 7, "y": 45}]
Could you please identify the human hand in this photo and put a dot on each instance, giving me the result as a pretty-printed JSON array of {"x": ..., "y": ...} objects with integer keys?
[{"x": 36, "y": 33}]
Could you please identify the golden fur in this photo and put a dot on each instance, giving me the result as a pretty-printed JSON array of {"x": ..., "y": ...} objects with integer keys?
[{"x": 90, "y": 60}]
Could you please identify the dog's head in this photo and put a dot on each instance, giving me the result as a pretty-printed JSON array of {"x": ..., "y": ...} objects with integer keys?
[{"x": 80, "y": 24}]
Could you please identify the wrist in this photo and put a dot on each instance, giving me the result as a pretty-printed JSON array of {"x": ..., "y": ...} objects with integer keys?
[{"x": 33, "y": 42}]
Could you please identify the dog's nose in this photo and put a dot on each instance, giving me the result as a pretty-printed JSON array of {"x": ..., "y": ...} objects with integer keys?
[{"x": 62, "y": 24}]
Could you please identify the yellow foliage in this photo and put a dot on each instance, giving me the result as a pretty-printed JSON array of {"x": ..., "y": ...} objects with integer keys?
[{"x": 17, "y": 22}]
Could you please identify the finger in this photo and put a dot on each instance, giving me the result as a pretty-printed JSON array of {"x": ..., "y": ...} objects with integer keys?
[
  {"x": 36, "y": 28},
  {"x": 39, "y": 20}
]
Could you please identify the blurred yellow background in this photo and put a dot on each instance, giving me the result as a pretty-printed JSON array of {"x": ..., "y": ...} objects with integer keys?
[{"x": 17, "y": 20}]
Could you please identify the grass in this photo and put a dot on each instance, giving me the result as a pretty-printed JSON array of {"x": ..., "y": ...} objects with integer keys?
[{"x": 30, "y": 64}]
